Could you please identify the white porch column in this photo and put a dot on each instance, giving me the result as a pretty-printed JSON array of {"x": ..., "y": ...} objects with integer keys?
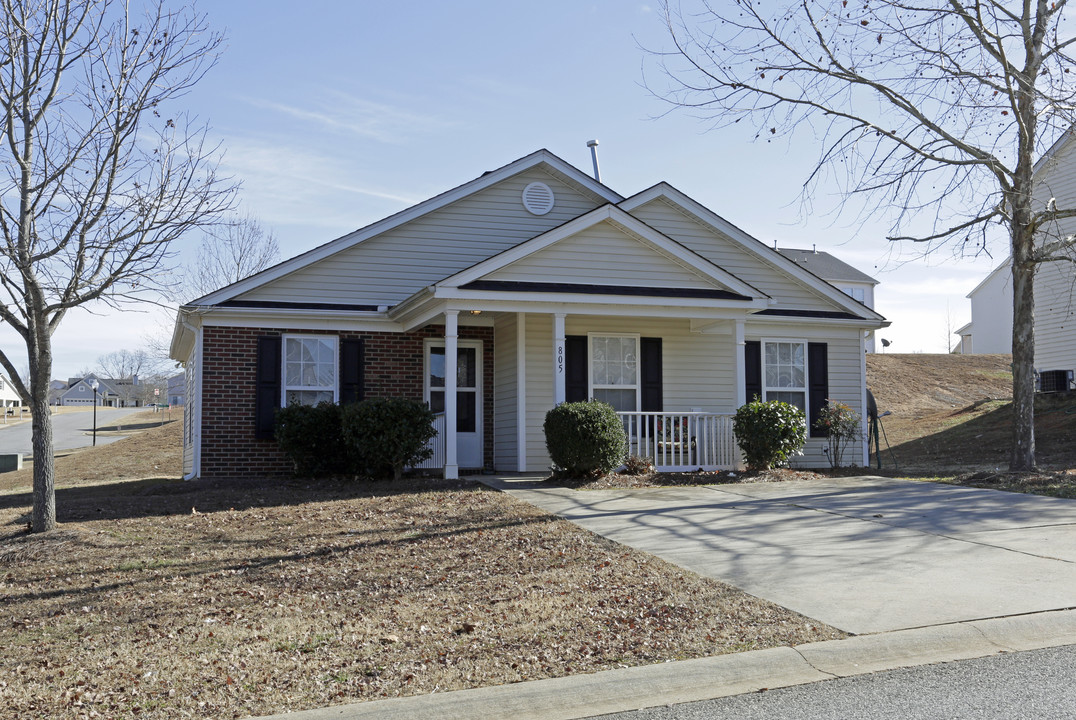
[
  {"x": 863, "y": 398},
  {"x": 521, "y": 392},
  {"x": 741, "y": 368},
  {"x": 558, "y": 358},
  {"x": 452, "y": 468}
]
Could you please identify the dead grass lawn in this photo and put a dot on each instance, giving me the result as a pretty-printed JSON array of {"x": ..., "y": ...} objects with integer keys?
[{"x": 165, "y": 599}]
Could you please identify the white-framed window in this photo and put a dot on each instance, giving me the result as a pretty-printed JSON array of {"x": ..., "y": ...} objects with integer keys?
[
  {"x": 784, "y": 372},
  {"x": 614, "y": 370},
  {"x": 310, "y": 369},
  {"x": 856, "y": 293}
]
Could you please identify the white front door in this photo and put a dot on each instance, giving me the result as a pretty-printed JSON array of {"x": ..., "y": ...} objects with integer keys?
[{"x": 468, "y": 396}]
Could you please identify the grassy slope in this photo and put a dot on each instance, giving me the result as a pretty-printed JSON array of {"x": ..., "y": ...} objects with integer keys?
[{"x": 952, "y": 413}]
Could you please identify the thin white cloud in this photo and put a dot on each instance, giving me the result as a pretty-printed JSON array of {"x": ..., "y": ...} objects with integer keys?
[
  {"x": 347, "y": 114},
  {"x": 289, "y": 185}
]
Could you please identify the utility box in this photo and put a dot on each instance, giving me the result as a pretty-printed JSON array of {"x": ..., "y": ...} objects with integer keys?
[
  {"x": 1051, "y": 381},
  {"x": 10, "y": 462}
]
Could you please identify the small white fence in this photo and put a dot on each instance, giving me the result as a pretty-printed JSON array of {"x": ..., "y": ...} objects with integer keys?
[
  {"x": 682, "y": 441},
  {"x": 437, "y": 444}
]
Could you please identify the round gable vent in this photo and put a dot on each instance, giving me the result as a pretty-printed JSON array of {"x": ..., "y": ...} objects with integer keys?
[{"x": 537, "y": 198}]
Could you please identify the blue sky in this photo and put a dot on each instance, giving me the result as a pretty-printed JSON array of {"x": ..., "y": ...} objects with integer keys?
[{"x": 336, "y": 114}]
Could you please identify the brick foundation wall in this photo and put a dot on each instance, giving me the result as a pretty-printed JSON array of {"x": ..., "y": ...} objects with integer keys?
[{"x": 392, "y": 368}]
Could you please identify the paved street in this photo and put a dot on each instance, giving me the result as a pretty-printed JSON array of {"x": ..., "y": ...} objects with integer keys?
[
  {"x": 70, "y": 430},
  {"x": 1034, "y": 685}
]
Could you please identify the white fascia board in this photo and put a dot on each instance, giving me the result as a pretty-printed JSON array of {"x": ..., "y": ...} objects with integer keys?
[
  {"x": 749, "y": 243},
  {"x": 863, "y": 323},
  {"x": 297, "y": 319},
  {"x": 427, "y": 206},
  {"x": 481, "y": 300},
  {"x": 1005, "y": 265},
  {"x": 550, "y": 303},
  {"x": 182, "y": 336},
  {"x": 963, "y": 330},
  {"x": 628, "y": 224}
]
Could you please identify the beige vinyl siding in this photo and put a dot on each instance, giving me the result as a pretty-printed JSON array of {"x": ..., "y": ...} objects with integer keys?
[
  {"x": 505, "y": 392},
  {"x": 724, "y": 253},
  {"x": 845, "y": 380},
  {"x": 387, "y": 268},
  {"x": 1055, "y": 317},
  {"x": 603, "y": 254},
  {"x": 698, "y": 369}
]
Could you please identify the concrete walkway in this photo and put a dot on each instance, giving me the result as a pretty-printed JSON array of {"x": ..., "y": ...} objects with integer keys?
[
  {"x": 920, "y": 572},
  {"x": 865, "y": 555}
]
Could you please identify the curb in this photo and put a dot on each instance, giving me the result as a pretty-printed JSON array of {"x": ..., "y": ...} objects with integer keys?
[{"x": 583, "y": 696}]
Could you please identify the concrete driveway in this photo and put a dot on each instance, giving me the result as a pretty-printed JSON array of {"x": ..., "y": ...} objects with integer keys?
[{"x": 864, "y": 555}]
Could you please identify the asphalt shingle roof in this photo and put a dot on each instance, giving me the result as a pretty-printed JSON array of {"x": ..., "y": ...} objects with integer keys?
[{"x": 826, "y": 266}]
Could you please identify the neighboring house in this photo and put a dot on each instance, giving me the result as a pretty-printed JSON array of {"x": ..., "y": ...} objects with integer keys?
[
  {"x": 9, "y": 396},
  {"x": 56, "y": 389},
  {"x": 177, "y": 389},
  {"x": 1055, "y": 282},
  {"x": 852, "y": 282},
  {"x": 990, "y": 329},
  {"x": 110, "y": 392},
  {"x": 531, "y": 285}
]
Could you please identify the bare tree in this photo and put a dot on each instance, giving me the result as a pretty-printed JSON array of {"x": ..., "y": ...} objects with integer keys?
[
  {"x": 936, "y": 110},
  {"x": 100, "y": 177},
  {"x": 130, "y": 368},
  {"x": 228, "y": 253}
]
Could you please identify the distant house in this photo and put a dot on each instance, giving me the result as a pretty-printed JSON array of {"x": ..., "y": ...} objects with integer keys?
[
  {"x": 990, "y": 329},
  {"x": 56, "y": 389},
  {"x": 9, "y": 396},
  {"x": 854, "y": 283},
  {"x": 110, "y": 392},
  {"x": 177, "y": 389},
  {"x": 526, "y": 287}
]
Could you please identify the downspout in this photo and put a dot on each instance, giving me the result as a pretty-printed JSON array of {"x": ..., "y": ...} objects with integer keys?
[{"x": 194, "y": 405}]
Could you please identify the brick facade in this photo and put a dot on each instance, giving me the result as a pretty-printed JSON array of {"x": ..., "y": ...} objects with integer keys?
[{"x": 393, "y": 366}]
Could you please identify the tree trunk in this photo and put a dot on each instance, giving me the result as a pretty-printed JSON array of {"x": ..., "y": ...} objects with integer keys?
[
  {"x": 1022, "y": 457},
  {"x": 43, "y": 518}
]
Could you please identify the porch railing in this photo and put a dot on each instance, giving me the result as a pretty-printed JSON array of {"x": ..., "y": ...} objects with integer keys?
[
  {"x": 437, "y": 444},
  {"x": 680, "y": 441}
]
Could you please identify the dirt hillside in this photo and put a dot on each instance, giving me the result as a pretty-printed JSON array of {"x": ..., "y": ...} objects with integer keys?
[{"x": 953, "y": 412}]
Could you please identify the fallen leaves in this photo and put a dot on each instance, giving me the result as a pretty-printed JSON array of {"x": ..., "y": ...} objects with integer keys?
[{"x": 287, "y": 597}]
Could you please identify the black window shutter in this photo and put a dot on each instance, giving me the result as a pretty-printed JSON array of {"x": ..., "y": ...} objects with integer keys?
[
  {"x": 575, "y": 368},
  {"x": 650, "y": 374},
  {"x": 267, "y": 386},
  {"x": 752, "y": 355},
  {"x": 351, "y": 365},
  {"x": 818, "y": 390}
]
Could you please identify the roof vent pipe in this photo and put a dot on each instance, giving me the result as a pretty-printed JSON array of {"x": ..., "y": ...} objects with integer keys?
[
  {"x": 593, "y": 145},
  {"x": 814, "y": 248}
]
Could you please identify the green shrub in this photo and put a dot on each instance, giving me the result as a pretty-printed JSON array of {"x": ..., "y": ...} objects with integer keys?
[
  {"x": 311, "y": 436},
  {"x": 769, "y": 433},
  {"x": 584, "y": 439},
  {"x": 388, "y": 434},
  {"x": 841, "y": 424}
]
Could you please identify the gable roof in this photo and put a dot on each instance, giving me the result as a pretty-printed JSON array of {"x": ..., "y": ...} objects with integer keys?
[
  {"x": 826, "y": 266},
  {"x": 626, "y": 223},
  {"x": 751, "y": 245},
  {"x": 558, "y": 167}
]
